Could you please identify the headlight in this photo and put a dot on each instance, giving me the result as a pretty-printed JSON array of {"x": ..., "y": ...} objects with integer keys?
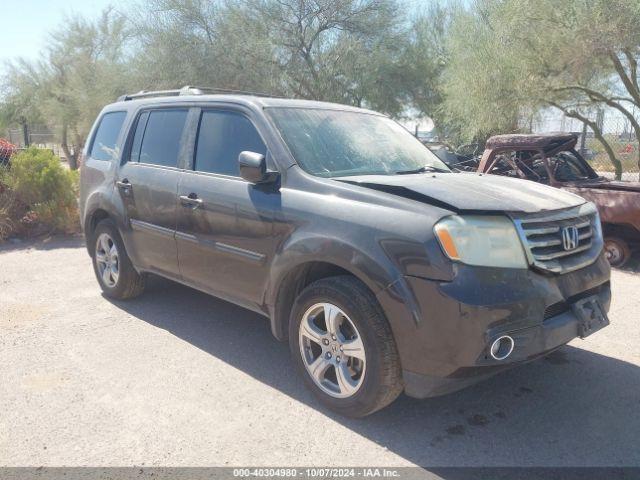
[{"x": 483, "y": 241}]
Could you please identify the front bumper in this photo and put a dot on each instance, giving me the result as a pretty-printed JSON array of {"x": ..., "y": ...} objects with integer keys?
[{"x": 444, "y": 329}]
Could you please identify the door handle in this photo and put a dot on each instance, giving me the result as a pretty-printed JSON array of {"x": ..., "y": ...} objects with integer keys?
[
  {"x": 191, "y": 200},
  {"x": 124, "y": 185}
]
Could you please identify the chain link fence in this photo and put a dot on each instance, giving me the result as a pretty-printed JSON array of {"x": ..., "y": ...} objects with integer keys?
[
  {"x": 617, "y": 131},
  {"x": 38, "y": 136}
]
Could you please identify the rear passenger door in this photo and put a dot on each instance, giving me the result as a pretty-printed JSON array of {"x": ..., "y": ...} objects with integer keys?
[
  {"x": 224, "y": 232},
  {"x": 148, "y": 184}
]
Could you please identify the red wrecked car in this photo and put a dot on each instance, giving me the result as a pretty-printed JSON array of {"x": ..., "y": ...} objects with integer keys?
[{"x": 552, "y": 159}]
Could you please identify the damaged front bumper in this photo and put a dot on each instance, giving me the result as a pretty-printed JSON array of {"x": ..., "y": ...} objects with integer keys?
[{"x": 445, "y": 337}]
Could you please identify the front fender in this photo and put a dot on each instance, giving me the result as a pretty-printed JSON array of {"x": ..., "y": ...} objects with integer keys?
[{"x": 373, "y": 268}]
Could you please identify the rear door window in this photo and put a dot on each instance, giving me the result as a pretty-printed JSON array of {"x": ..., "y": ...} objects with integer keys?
[
  {"x": 222, "y": 135},
  {"x": 158, "y": 138},
  {"x": 137, "y": 139},
  {"x": 104, "y": 142}
]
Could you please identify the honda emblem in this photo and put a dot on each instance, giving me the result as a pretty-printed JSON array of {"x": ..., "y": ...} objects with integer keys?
[{"x": 570, "y": 238}]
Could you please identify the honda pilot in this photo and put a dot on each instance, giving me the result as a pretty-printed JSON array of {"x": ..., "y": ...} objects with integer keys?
[{"x": 385, "y": 271}]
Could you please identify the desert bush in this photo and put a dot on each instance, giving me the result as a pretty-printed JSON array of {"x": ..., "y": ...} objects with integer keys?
[
  {"x": 6, "y": 205},
  {"x": 44, "y": 192}
]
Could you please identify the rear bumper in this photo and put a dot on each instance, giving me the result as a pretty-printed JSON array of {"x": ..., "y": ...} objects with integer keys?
[{"x": 445, "y": 328}]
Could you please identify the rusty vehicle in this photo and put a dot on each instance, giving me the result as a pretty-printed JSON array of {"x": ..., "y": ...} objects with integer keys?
[{"x": 552, "y": 159}]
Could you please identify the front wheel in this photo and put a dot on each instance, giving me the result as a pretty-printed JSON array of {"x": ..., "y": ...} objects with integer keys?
[{"x": 342, "y": 345}]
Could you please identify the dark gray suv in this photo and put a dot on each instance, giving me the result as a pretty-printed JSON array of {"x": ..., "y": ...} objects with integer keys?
[{"x": 384, "y": 270}]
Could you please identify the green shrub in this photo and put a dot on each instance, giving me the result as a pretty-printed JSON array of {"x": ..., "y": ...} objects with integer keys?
[
  {"x": 7, "y": 203},
  {"x": 7, "y": 223},
  {"x": 46, "y": 189}
]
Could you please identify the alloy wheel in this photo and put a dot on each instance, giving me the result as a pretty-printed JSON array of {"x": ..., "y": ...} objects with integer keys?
[
  {"x": 332, "y": 350},
  {"x": 107, "y": 260}
]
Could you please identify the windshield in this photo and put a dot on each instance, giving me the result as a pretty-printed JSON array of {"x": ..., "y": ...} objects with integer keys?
[{"x": 331, "y": 143}]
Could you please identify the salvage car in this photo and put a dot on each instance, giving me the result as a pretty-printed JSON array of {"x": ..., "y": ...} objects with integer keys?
[
  {"x": 464, "y": 158},
  {"x": 552, "y": 159},
  {"x": 384, "y": 271}
]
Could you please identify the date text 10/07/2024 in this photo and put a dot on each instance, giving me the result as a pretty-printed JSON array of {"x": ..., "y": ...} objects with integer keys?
[{"x": 316, "y": 472}]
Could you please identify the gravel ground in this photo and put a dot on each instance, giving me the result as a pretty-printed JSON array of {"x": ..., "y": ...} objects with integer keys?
[{"x": 180, "y": 378}]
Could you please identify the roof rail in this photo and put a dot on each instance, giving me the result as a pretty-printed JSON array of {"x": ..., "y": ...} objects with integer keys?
[{"x": 188, "y": 90}]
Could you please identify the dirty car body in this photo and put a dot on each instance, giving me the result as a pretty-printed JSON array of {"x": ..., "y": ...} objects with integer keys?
[
  {"x": 451, "y": 260},
  {"x": 552, "y": 159}
]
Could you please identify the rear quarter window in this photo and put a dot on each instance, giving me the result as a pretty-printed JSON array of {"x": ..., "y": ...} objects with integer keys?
[
  {"x": 104, "y": 142},
  {"x": 158, "y": 137}
]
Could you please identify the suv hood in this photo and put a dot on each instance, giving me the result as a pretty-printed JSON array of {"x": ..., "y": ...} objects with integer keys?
[{"x": 470, "y": 191}]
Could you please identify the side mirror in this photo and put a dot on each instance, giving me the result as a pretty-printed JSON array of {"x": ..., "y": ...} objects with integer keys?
[{"x": 253, "y": 168}]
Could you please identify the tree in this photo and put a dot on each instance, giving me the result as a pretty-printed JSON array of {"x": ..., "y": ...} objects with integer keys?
[
  {"x": 335, "y": 50},
  {"x": 424, "y": 60},
  {"x": 359, "y": 52},
  {"x": 481, "y": 86},
  {"x": 403, "y": 75},
  {"x": 580, "y": 56},
  {"x": 176, "y": 43},
  {"x": 576, "y": 56},
  {"x": 83, "y": 67},
  {"x": 605, "y": 72},
  {"x": 19, "y": 88},
  {"x": 316, "y": 42}
]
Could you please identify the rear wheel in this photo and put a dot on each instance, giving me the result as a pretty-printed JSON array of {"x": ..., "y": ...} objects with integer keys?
[
  {"x": 111, "y": 264},
  {"x": 342, "y": 345},
  {"x": 617, "y": 251}
]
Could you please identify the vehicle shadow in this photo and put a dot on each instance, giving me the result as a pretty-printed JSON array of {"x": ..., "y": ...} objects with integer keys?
[{"x": 574, "y": 408}]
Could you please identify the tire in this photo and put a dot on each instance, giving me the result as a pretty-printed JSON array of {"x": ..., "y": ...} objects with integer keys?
[
  {"x": 617, "y": 251},
  {"x": 123, "y": 281},
  {"x": 378, "y": 377}
]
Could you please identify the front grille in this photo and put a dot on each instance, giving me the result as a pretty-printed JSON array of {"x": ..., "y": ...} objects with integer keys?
[
  {"x": 545, "y": 240},
  {"x": 542, "y": 236}
]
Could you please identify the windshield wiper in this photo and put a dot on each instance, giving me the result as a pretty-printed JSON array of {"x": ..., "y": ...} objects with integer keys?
[{"x": 425, "y": 168}]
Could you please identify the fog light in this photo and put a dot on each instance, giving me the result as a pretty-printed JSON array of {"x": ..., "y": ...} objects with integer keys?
[{"x": 502, "y": 347}]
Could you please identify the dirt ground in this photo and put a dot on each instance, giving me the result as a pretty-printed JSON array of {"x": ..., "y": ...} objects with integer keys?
[{"x": 177, "y": 378}]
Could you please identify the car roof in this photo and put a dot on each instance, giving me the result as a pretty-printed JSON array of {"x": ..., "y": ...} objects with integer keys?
[
  {"x": 254, "y": 101},
  {"x": 544, "y": 141}
]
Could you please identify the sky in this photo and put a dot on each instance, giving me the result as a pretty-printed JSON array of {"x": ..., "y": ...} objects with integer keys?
[{"x": 25, "y": 23}]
